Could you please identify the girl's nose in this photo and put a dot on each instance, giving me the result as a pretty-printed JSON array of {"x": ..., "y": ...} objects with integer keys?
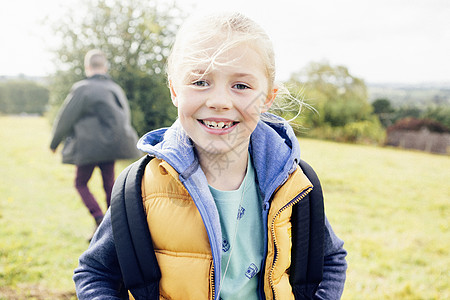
[{"x": 219, "y": 99}]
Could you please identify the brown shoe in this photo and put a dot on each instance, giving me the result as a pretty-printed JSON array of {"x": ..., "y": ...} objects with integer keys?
[{"x": 98, "y": 220}]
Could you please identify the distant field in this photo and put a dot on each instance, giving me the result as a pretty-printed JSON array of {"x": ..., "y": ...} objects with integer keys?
[{"x": 390, "y": 206}]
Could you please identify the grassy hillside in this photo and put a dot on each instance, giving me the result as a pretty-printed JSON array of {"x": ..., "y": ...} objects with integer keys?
[{"x": 390, "y": 206}]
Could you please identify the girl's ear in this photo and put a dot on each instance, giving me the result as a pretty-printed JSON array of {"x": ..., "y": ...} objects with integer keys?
[
  {"x": 173, "y": 94},
  {"x": 269, "y": 100}
]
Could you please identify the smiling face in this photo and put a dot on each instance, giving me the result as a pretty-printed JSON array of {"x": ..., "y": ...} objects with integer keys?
[{"x": 220, "y": 102}]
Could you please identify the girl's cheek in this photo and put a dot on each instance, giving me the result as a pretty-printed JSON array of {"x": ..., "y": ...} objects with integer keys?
[
  {"x": 187, "y": 106},
  {"x": 253, "y": 107}
]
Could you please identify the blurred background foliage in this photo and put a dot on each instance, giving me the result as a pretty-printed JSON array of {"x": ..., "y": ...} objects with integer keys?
[
  {"x": 136, "y": 36},
  {"x": 23, "y": 96},
  {"x": 341, "y": 109}
]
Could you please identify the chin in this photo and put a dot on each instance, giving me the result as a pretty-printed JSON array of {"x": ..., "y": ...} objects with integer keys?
[{"x": 220, "y": 147}]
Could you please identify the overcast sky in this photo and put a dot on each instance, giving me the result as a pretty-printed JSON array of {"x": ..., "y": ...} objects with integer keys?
[{"x": 402, "y": 41}]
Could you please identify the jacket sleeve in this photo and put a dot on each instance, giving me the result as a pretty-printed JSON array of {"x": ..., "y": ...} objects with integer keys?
[
  {"x": 334, "y": 268},
  {"x": 69, "y": 113},
  {"x": 98, "y": 274}
]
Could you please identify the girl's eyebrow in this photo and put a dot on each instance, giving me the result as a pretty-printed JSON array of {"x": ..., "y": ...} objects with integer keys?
[
  {"x": 201, "y": 72},
  {"x": 244, "y": 75},
  {"x": 197, "y": 71},
  {"x": 193, "y": 74}
]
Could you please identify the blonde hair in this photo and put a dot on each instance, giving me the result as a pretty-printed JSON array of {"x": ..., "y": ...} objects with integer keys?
[{"x": 229, "y": 30}]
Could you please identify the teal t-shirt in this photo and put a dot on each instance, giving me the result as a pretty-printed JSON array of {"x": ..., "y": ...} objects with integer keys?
[{"x": 241, "y": 207}]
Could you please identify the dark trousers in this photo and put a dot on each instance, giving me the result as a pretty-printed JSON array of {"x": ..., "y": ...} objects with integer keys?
[{"x": 82, "y": 178}]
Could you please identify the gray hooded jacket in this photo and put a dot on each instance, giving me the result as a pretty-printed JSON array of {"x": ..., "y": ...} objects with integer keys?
[{"x": 95, "y": 123}]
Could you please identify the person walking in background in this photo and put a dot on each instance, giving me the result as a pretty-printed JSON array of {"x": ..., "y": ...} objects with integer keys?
[{"x": 95, "y": 122}]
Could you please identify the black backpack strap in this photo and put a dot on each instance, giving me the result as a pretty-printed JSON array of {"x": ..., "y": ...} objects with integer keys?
[
  {"x": 134, "y": 247},
  {"x": 308, "y": 223}
]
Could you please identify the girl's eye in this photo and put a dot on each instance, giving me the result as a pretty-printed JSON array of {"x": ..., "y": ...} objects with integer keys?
[
  {"x": 200, "y": 83},
  {"x": 241, "y": 86}
]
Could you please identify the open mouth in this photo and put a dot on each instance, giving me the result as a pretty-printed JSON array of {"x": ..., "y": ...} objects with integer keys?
[{"x": 217, "y": 125}]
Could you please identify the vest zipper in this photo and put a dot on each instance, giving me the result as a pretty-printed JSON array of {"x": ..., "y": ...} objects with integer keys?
[
  {"x": 211, "y": 279},
  {"x": 272, "y": 230}
]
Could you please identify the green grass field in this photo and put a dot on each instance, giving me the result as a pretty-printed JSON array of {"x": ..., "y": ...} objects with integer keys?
[{"x": 390, "y": 206}]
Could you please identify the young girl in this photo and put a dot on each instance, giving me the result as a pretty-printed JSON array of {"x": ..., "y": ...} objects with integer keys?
[{"x": 219, "y": 192}]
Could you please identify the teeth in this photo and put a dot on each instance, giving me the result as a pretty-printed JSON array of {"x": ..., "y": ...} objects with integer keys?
[{"x": 219, "y": 125}]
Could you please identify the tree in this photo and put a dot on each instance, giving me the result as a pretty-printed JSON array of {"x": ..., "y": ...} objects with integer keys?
[
  {"x": 135, "y": 35},
  {"x": 439, "y": 113},
  {"x": 407, "y": 111},
  {"x": 414, "y": 124},
  {"x": 23, "y": 96},
  {"x": 383, "y": 109},
  {"x": 382, "y": 105},
  {"x": 338, "y": 96},
  {"x": 340, "y": 101}
]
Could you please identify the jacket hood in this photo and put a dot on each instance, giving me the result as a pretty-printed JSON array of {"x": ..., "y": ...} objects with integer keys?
[{"x": 273, "y": 146}]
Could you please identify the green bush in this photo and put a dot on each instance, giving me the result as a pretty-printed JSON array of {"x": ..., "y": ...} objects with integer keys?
[
  {"x": 340, "y": 108},
  {"x": 23, "y": 96},
  {"x": 361, "y": 132},
  {"x": 364, "y": 132}
]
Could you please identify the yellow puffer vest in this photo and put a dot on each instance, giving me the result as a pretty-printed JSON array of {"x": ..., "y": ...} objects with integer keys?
[{"x": 182, "y": 246}]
